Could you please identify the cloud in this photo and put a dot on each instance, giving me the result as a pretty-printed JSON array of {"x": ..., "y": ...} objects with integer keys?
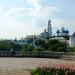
[
  {"x": 16, "y": 11},
  {"x": 36, "y": 10},
  {"x": 10, "y": 29},
  {"x": 35, "y": 3},
  {"x": 20, "y": 21},
  {"x": 33, "y": 13}
]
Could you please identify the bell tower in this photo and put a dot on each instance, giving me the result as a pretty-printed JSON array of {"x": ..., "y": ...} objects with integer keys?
[{"x": 49, "y": 28}]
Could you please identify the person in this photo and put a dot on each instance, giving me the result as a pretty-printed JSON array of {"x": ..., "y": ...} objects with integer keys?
[
  {"x": 12, "y": 52},
  {"x": 66, "y": 48}
]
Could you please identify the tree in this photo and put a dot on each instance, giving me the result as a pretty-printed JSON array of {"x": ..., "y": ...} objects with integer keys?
[
  {"x": 39, "y": 42},
  {"x": 6, "y": 45},
  {"x": 72, "y": 49},
  {"x": 55, "y": 45},
  {"x": 27, "y": 48}
]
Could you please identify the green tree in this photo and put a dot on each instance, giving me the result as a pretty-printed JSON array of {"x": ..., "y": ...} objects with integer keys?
[
  {"x": 72, "y": 49},
  {"x": 6, "y": 45},
  {"x": 39, "y": 42},
  {"x": 55, "y": 45},
  {"x": 27, "y": 48}
]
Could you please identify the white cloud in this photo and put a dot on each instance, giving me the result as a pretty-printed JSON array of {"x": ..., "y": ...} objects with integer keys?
[
  {"x": 36, "y": 11},
  {"x": 16, "y": 11},
  {"x": 12, "y": 27},
  {"x": 19, "y": 28},
  {"x": 35, "y": 3}
]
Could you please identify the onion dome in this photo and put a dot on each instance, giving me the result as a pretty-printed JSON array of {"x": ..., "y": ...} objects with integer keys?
[
  {"x": 58, "y": 31},
  {"x": 63, "y": 30},
  {"x": 67, "y": 31}
]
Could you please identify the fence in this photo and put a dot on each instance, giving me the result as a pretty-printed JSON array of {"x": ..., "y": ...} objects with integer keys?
[{"x": 33, "y": 54}]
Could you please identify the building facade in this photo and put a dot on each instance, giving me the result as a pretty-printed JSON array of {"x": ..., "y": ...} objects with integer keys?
[{"x": 72, "y": 40}]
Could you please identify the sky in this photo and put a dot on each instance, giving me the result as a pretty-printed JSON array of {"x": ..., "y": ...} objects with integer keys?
[{"x": 19, "y": 18}]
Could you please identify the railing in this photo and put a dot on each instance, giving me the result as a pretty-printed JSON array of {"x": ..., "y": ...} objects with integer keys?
[
  {"x": 41, "y": 54},
  {"x": 5, "y": 53},
  {"x": 34, "y": 54}
]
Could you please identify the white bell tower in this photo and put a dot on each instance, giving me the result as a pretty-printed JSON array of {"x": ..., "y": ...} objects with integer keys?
[{"x": 49, "y": 28}]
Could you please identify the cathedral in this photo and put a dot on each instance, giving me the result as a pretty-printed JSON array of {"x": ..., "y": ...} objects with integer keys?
[{"x": 59, "y": 33}]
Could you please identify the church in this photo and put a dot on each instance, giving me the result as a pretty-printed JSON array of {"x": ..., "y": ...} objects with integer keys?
[
  {"x": 62, "y": 35},
  {"x": 59, "y": 33}
]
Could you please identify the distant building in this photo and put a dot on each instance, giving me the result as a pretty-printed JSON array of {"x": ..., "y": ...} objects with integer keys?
[
  {"x": 19, "y": 42},
  {"x": 61, "y": 39},
  {"x": 47, "y": 32},
  {"x": 72, "y": 40},
  {"x": 61, "y": 33}
]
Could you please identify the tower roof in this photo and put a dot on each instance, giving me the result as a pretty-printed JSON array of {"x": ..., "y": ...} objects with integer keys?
[
  {"x": 67, "y": 31},
  {"x": 63, "y": 30}
]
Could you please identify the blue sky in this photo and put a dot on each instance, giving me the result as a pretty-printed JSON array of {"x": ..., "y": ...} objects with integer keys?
[{"x": 19, "y": 18}]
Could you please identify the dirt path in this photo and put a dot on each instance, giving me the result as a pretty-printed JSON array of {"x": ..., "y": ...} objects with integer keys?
[
  {"x": 19, "y": 65},
  {"x": 15, "y": 72}
]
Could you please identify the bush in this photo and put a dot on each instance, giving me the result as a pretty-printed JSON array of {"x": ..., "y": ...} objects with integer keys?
[
  {"x": 56, "y": 46},
  {"x": 55, "y": 69},
  {"x": 61, "y": 49},
  {"x": 72, "y": 49}
]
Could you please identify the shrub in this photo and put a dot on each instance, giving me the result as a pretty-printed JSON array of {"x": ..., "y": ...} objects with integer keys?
[
  {"x": 72, "y": 49},
  {"x": 55, "y": 69}
]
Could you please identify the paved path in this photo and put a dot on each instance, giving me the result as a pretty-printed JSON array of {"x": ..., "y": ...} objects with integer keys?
[
  {"x": 14, "y": 72},
  {"x": 16, "y": 64},
  {"x": 28, "y": 63}
]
